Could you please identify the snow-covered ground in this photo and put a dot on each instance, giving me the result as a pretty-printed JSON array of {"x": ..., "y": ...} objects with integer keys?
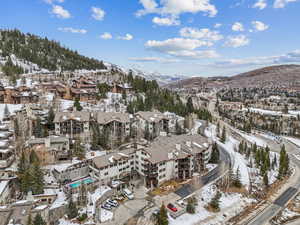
[
  {"x": 273, "y": 113},
  {"x": 11, "y": 108},
  {"x": 238, "y": 160},
  {"x": 105, "y": 215},
  {"x": 296, "y": 141},
  {"x": 196, "y": 127},
  {"x": 230, "y": 205},
  {"x": 230, "y": 145},
  {"x": 251, "y": 138},
  {"x": 210, "y": 166}
]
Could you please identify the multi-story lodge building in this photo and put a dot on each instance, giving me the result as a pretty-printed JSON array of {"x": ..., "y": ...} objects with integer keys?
[
  {"x": 118, "y": 124},
  {"x": 50, "y": 150},
  {"x": 167, "y": 158},
  {"x": 73, "y": 124},
  {"x": 153, "y": 122}
]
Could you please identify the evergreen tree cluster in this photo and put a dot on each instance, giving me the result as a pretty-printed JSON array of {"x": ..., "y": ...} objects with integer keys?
[
  {"x": 161, "y": 99},
  {"x": 284, "y": 162},
  {"x": 215, "y": 201},
  {"x": 45, "y": 53},
  {"x": 215, "y": 154},
  {"x": 30, "y": 174},
  {"x": 38, "y": 220},
  {"x": 162, "y": 216}
]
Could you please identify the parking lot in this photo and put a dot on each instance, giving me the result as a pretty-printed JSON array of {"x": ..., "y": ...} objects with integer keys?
[{"x": 128, "y": 208}]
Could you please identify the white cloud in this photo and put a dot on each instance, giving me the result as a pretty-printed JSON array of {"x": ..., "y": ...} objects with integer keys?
[
  {"x": 282, "y": 3},
  {"x": 204, "y": 34},
  {"x": 60, "y": 12},
  {"x": 165, "y": 21},
  {"x": 291, "y": 57},
  {"x": 259, "y": 26},
  {"x": 97, "y": 13},
  {"x": 154, "y": 59},
  {"x": 217, "y": 25},
  {"x": 127, "y": 37},
  {"x": 237, "y": 41},
  {"x": 106, "y": 36},
  {"x": 177, "y": 7},
  {"x": 53, "y": 1},
  {"x": 260, "y": 4},
  {"x": 72, "y": 30},
  {"x": 237, "y": 26},
  {"x": 182, "y": 47}
]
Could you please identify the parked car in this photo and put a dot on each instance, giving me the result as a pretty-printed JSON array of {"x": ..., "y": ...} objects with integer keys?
[
  {"x": 106, "y": 206},
  {"x": 172, "y": 207},
  {"x": 113, "y": 203},
  {"x": 128, "y": 194}
]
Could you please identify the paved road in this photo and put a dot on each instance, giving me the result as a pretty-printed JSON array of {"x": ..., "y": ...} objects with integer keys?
[
  {"x": 285, "y": 196},
  {"x": 213, "y": 175},
  {"x": 289, "y": 191},
  {"x": 293, "y": 183}
]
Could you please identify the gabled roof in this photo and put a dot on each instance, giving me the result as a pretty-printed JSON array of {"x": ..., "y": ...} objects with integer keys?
[
  {"x": 76, "y": 115},
  {"x": 107, "y": 117}
]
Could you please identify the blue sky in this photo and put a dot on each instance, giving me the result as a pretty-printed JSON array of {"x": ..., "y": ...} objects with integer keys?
[{"x": 184, "y": 37}]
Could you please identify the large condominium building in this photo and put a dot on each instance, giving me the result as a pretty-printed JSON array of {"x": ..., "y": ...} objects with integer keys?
[
  {"x": 175, "y": 157},
  {"x": 118, "y": 124},
  {"x": 152, "y": 122},
  {"x": 74, "y": 124}
]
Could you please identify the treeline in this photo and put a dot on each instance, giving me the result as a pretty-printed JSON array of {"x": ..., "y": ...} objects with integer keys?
[
  {"x": 30, "y": 174},
  {"x": 264, "y": 162},
  {"x": 45, "y": 53},
  {"x": 160, "y": 99}
]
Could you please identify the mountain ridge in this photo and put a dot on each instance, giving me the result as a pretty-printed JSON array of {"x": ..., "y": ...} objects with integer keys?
[{"x": 280, "y": 76}]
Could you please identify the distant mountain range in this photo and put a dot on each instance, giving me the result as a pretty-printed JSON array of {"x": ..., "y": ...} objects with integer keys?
[
  {"x": 28, "y": 53},
  {"x": 282, "y": 76}
]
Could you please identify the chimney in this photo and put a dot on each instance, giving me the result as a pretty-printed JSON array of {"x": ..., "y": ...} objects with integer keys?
[
  {"x": 178, "y": 147},
  {"x": 189, "y": 144},
  {"x": 47, "y": 142}
]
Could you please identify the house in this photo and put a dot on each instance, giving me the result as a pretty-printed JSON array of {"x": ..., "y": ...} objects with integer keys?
[
  {"x": 73, "y": 124},
  {"x": 121, "y": 88},
  {"x": 50, "y": 150}
]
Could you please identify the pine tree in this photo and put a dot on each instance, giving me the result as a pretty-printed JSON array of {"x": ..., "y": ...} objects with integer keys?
[
  {"x": 79, "y": 150},
  {"x": 38, "y": 220},
  {"x": 162, "y": 218},
  {"x": 190, "y": 105},
  {"x": 266, "y": 179},
  {"x": 6, "y": 113},
  {"x": 237, "y": 179},
  {"x": 215, "y": 201},
  {"x": 38, "y": 179},
  {"x": 82, "y": 195},
  {"x": 72, "y": 210},
  {"x": 50, "y": 119},
  {"x": 190, "y": 208},
  {"x": 38, "y": 129},
  {"x": 29, "y": 220},
  {"x": 223, "y": 138},
  {"x": 215, "y": 154},
  {"x": 77, "y": 105}
]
